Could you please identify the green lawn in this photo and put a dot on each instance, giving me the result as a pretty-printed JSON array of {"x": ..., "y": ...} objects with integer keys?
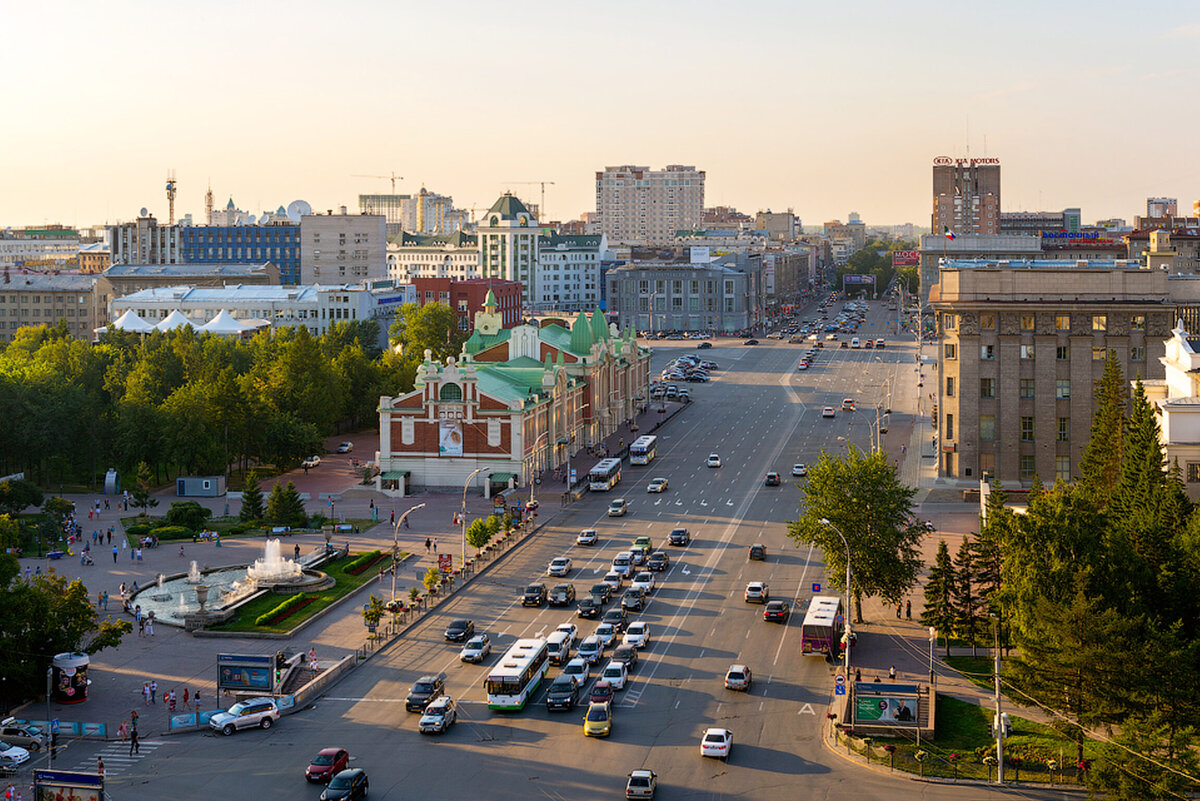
[
  {"x": 244, "y": 619},
  {"x": 977, "y": 669}
]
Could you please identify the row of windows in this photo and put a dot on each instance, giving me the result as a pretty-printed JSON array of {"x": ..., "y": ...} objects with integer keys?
[
  {"x": 70, "y": 312},
  {"x": 987, "y": 353},
  {"x": 1062, "y": 322},
  {"x": 987, "y": 428}
]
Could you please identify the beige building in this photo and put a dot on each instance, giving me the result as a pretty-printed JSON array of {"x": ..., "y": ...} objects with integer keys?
[
  {"x": 640, "y": 206},
  {"x": 36, "y": 299},
  {"x": 966, "y": 196},
  {"x": 342, "y": 248},
  {"x": 781, "y": 226},
  {"x": 144, "y": 241},
  {"x": 508, "y": 244}
]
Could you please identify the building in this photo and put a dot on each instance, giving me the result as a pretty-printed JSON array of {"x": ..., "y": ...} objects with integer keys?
[
  {"x": 637, "y": 205},
  {"x": 1034, "y": 223},
  {"x": 278, "y": 243},
  {"x": 94, "y": 257},
  {"x": 786, "y": 272},
  {"x": 725, "y": 216},
  {"x": 1022, "y": 344},
  {"x": 125, "y": 279},
  {"x": 51, "y": 247},
  {"x": 935, "y": 247},
  {"x": 144, "y": 241},
  {"x": 966, "y": 196},
  {"x": 411, "y": 256},
  {"x": 508, "y": 244},
  {"x": 568, "y": 273},
  {"x": 1162, "y": 206},
  {"x": 425, "y": 213},
  {"x": 468, "y": 297},
  {"x": 342, "y": 248},
  {"x": 1176, "y": 400},
  {"x": 1184, "y": 243},
  {"x": 515, "y": 404},
  {"x": 779, "y": 226},
  {"x": 33, "y": 299},
  {"x": 725, "y": 295}
]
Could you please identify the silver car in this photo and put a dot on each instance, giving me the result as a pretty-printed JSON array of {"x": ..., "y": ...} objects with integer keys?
[{"x": 260, "y": 712}]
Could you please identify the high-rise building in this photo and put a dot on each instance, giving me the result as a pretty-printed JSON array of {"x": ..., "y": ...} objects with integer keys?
[
  {"x": 508, "y": 244},
  {"x": 342, "y": 248},
  {"x": 966, "y": 195},
  {"x": 1162, "y": 206},
  {"x": 423, "y": 213},
  {"x": 637, "y": 205},
  {"x": 144, "y": 241}
]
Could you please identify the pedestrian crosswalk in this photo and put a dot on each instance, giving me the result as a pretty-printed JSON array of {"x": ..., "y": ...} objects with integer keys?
[{"x": 116, "y": 756}]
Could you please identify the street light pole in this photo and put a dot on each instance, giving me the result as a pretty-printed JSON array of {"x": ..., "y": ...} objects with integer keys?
[
  {"x": 396, "y": 544},
  {"x": 846, "y": 612},
  {"x": 533, "y": 461},
  {"x": 462, "y": 518}
]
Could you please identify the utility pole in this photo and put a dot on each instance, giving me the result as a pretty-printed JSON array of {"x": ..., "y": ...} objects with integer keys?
[{"x": 999, "y": 719}]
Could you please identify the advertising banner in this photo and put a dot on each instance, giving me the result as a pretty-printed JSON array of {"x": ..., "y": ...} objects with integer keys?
[
  {"x": 445, "y": 562},
  {"x": 57, "y": 785},
  {"x": 884, "y": 709},
  {"x": 450, "y": 438},
  {"x": 906, "y": 258},
  {"x": 244, "y": 672}
]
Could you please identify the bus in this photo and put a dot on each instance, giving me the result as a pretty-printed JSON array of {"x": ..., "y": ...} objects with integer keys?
[
  {"x": 516, "y": 677},
  {"x": 821, "y": 632},
  {"x": 642, "y": 451},
  {"x": 605, "y": 475}
]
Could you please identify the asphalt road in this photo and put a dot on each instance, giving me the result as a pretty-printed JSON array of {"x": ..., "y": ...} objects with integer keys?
[{"x": 760, "y": 415}]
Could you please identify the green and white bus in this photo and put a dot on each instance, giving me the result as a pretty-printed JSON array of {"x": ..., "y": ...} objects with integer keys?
[{"x": 517, "y": 675}]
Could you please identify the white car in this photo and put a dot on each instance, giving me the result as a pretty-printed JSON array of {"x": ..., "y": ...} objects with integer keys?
[
  {"x": 623, "y": 563},
  {"x": 757, "y": 592},
  {"x": 580, "y": 669},
  {"x": 559, "y": 567},
  {"x": 644, "y": 581},
  {"x": 614, "y": 579},
  {"x": 799, "y": 470},
  {"x": 591, "y": 649},
  {"x": 587, "y": 537},
  {"x": 713, "y": 460},
  {"x": 439, "y": 716},
  {"x": 311, "y": 462},
  {"x": 615, "y": 674},
  {"x": 618, "y": 508},
  {"x": 476, "y": 649},
  {"x": 657, "y": 485},
  {"x": 12, "y": 755},
  {"x": 637, "y": 635},
  {"x": 571, "y": 629},
  {"x": 345, "y": 447},
  {"x": 738, "y": 678},
  {"x": 828, "y": 412},
  {"x": 606, "y": 633},
  {"x": 716, "y": 743}
]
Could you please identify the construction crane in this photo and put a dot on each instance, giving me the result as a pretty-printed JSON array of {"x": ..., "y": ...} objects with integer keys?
[
  {"x": 542, "y": 184},
  {"x": 393, "y": 178}
]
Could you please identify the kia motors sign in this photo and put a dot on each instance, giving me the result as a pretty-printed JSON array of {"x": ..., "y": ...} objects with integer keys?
[
  {"x": 947, "y": 161},
  {"x": 906, "y": 258}
]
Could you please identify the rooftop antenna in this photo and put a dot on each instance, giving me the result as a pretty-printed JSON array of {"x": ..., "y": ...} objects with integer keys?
[
  {"x": 170, "y": 197},
  {"x": 208, "y": 204}
]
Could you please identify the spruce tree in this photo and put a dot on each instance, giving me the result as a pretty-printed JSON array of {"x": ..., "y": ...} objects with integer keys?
[
  {"x": 1101, "y": 465},
  {"x": 277, "y": 511},
  {"x": 293, "y": 505},
  {"x": 939, "y": 600},
  {"x": 963, "y": 596},
  {"x": 252, "y": 498}
]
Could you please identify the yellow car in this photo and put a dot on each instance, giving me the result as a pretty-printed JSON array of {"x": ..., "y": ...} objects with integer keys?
[{"x": 598, "y": 720}]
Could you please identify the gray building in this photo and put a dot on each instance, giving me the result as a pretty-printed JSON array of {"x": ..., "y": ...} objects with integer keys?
[
  {"x": 724, "y": 295},
  {"x": 33, "y": 299},
  {"x": 342, "y": 248}
]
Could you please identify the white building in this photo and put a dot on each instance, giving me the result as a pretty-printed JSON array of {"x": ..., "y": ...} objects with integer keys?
[
  {"x": 412, "y": 256},
  {"x": 341, "y": 248},
  {"x": 568, "y": 274},
  {"x": 1176, "y": 399},
  {"x": 39, "y": 248},
  {"x": 508, "y": 244},
  {"x": 637, "y": 205}
]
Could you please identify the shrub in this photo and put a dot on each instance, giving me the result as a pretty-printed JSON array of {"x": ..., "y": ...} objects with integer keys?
[
  {"x": 365, "y": 559},
  {"x": 172, "y": 533},
  {"x": 188, "y": 514},
  {"x": 291, "y": 603},
  {"x": 140, "y": 529}
]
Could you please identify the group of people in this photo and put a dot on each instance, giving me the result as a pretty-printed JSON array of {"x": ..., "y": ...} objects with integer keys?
[{"x": 171, "y": 698}]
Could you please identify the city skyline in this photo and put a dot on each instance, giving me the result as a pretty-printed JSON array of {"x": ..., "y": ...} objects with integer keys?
[{"x": 822, "y": 110}]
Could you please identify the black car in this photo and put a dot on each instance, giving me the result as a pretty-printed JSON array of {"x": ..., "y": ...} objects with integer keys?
[
  {"x": 616, "y": 617},
  {"x": 758, "y": 553},
  {"x": 750, "y": 342},
  {"x": 633, "y": 599},
  {"x": 563, "y": 693},
  {"x": 562, "y": 595},
  {"x": 704, "y": 345},
  {"x": 679, "y": 536},
  {"x": 535, "y": 595},
  {"x": 588, "y": 608},
  {"x": 626, "y": 654},
  {"x": 460, "y": 630},
  {"x": 777, "y": 610},
  {"x": 602, "y": 591},
  {"x": 658, "y": 562},
  {"x": 772, "y": 480},
  {"x": 349, "y": 784},
  {"x": 424, "y": 690}
]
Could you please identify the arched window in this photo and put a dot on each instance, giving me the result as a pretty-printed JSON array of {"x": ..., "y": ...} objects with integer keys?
[{"x": 451, "y": 392}]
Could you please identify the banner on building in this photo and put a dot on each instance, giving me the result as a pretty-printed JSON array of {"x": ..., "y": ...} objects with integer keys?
[
  {"x": 906, "y": 258},
  {"x": 450, "y": 438},
  {"x": 872, "y": 708}
]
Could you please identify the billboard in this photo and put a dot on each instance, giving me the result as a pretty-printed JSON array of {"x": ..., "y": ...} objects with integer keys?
[
  {"x": 450, "y": 438},
  {"x": 56, "y": 785},
  {"x": 245, "y": 672},
  {"x": 887, "y": 704},
  {"x": 445, "y": 562},
  {"x": 855, "y": 278},
  {"x": 906, "y": 258}
]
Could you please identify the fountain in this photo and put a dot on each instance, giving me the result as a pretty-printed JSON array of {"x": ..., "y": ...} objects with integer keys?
[
  {"x": 193, "y": 576},
  {"x": 160, "y": 595},
  {"x": 183, "y": 607},
  {"x": 273, "y": 568}
]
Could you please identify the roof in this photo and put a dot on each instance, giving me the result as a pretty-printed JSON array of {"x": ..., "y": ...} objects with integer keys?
[
  {"x": 570, "y": 241},
  {"x": 509, "y": 206},
  {"x": 191, "y": 268},
  {"x": 36, "y": 282},
  {"x": 455, "y": 240},
  {"x": 238, "y": 293},
  {"x": 477, "y": 341},
  {"x": 1041, "y": 264}
]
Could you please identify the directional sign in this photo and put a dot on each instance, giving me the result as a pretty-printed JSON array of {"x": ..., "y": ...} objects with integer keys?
[
  {"x": 840, "y": 689},
  {"x": 816, "y": 586},
  {"x": 54, "y": 726}
]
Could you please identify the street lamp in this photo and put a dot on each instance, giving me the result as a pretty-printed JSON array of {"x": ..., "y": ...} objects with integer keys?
[
  {"x": 532, "y": 462},
  {"x": 396, "y": 544},
  {"x": 846, "y": 635},
  {"x": 462, "y": 518}
]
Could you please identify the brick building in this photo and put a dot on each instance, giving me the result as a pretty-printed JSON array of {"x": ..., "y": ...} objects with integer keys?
[{"x": 467, "y": 298}]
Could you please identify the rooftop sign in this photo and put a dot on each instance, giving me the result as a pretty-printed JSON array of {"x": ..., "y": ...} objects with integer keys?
[{"x": 947, "y": 161}]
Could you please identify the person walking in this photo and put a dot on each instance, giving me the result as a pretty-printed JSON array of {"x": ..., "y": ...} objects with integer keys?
[
  {"x": 897, "y": 610},
  {"x": 153, "y": 691},
  {"x": 123, "y": 730},
  {"x": 185, "y": 697},
  {"x": 435, "y": 544},
  {"x": 145, "y": 692},
  {"x": 427, "y": 542},
  {"x": 892, "y": 673},
  {"x": 100, "y": 767},
  {"x": 908, "y": 610},
  {"x": 393, "y": 517},
  {"x": 196, "y": 699},
  {"x": 134, "y": 746},
  {"x": 150, "y": 624},
  {"x": 114, "y": 554}
]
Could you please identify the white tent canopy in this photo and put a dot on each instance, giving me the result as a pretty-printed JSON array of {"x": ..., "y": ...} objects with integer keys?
[
  {"x": 129, "y": 321},
  {"x": 174, "y": 320},
  {"x": 223, "y": 323}
]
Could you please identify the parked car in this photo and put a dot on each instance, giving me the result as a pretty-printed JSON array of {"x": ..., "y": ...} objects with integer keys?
[
  {"x": 257, "y": 712},
  {"x": 345, "y": 447},
  {"x": 25, "y": 735}
]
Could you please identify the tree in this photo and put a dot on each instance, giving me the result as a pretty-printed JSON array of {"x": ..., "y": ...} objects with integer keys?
[
  {"x": 433, "y": 327},
  {"x": 1101, "y": 464},
  {"x": 965, "y": 601},
  {"x": 141, "y": 489},
  {"x": 284, "y": 507},
  {"x": 189, "y": 514},
  {"x": 1148, "y": 760},
  {"x": 432, "y": 578},
  {"x": 479, "y": 533},
  {"x": 16, "y": 494},
  {"x": 373, "y": 611},
  {"x": 862, "y": 497},
  {"x": 252, "y": 499},
  {"x": 938, "y": 613}
]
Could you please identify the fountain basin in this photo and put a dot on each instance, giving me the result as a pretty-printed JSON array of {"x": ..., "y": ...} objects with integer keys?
[{"x": 228, "y": 589}]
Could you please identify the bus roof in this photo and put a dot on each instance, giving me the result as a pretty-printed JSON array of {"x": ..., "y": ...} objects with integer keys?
[
  {"x": 604, "y": 465},
  {"x": 823, "y": 610},
  {"x": 517, "y": 658},
  {"x": 643, "y": 442}
]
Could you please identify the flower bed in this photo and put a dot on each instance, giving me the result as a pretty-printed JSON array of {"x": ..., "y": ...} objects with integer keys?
[{"x": 365, "y": 562}]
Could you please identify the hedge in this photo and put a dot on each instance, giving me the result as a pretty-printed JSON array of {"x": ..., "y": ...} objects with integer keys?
[
  {"x": 139, "y": 529},
  {"x": 363, "y": 560},
  {"x": 288, "y": 605},
  {"x": 172, "y": 533}
]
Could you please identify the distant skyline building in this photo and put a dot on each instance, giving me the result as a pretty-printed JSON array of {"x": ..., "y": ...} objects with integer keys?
[
  {"x": 342, "y": 248},
  {"x": 1036, "y": 222},
  {"x": 237, "y": 244},
  {"x": 423, "y": 213},
  {"x": 1162, "y": 206},
  {"x": 637, "y": 205},
  {"x": 966, "y": 195},
  {"x": 144, "y": 241}
]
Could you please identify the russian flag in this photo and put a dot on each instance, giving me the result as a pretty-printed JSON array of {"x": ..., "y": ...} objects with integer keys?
[{"x": 948, "y": 232}]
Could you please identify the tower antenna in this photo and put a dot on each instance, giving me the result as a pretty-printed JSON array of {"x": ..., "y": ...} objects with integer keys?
[{"x": 170, "y": 197}]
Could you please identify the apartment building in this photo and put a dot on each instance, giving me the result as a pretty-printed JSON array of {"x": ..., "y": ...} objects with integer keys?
[
  {"x": 342, "y": 248},
  {"x": 637, "y": 205},
  {"x": 508, "y": 244},
  {"x": 569, "y": 272},
  {"x": 966, "y": 195},
  {"x": 32, "y": 299}
]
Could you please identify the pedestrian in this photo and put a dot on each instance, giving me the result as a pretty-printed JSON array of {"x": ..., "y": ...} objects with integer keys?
[
  {"x": 892, "y": 673},
  {"x": 145, "y": 692},
  {"x": 427, "y": 542},
  {"x": 133, "y": 554},
  {"x": 908, "y": 610},
  {"x": 150, "y": 624},
  {"x": 134, "y": 746},
  {"x": 137, "y": 610},
  {"x": 393, "y": 517},
  {"x": 114, "y": 554},
  {"x": 371, "y": 507},
  {"x": 185, "y": 697},
  {"x": 296, "y": 551},
  {"x": 435, "y": 544},
  {"x": 133, "y": 719},
  {"x": 123, "y": 730},
  {"x": 857, "y": 675},
  {"x": 106, "y": 504},
  {"x": 121, "y": 591},
  {"x": 196, "y": 699},
  {"x": 106, "y": 600},
  {"x": 139, "y": 551},
  {"x": 100, "y": 767},
  {"x": 170, "y": 699},
  {"x": 141, "y": 627},
  {"x": 180, "y": 551},
  {"x": 153, "y": 690},
  {"x": 406, "y": 522}
]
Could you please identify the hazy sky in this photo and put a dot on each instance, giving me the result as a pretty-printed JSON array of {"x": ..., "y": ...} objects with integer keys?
[{"x": 823, "y": 107}]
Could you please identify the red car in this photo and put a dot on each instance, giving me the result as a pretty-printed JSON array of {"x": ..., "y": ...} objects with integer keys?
[
  {"x": 328, "y": 763},
  {"x": 602, "y": 693}
]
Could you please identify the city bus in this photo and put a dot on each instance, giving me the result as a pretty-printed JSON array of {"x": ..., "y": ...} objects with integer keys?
[
  {"x": 605, "y": 475},
  {"x": 821, "y": 632},
  {"x": 516, "y": 677},
  {"x": 642, "y": 451}
]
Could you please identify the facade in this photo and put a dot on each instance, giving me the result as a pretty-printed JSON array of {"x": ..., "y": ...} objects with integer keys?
[
  {"x": 1162, "y": 206},
  {"x": 454, "y": 256},
  {"x": 514, "y": 404},
  {"x": 426, "y": 212},
  {"x": 637, "y": 205},
  {"x": 237, "y": 244},
  {"x": 94, "y": 258},
  {"x": 125, "y": 279},
  {"x": 966, "y": 196},
  {"x": 1176, "y": 400},
  {"x": 1184, "y": 243},
  {"x": 1021, "y": 345},
  {"x": 786, "y": 272},
  {"x": 508, "y": 244},
  {"x": 779, "y": 226},
  {"x": 725, "y": 295},
  {"x": 935, "y": 247},
  {"x": 468, "y": 297},
  {"x": 52, "y": 247},
  {"x": 1033, "y": 223},
  {"x": 144, "y": 241},
  {"x": 342, "y": 248},
  {"x": 568, "y": 272},
  {"x": 38, "y": 299}
]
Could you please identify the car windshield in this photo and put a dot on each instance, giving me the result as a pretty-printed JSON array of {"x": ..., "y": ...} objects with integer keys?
[
  {"x": 458, "y": 624},
  {"x": 598, "y": 713},
  {"x": 323, "y": 759},
  {"x": 612, "y": 672},
  {"x": 476, "y": 642},
  {"x": 238, "y": 709},
  {"x": 423, "y": 687},
  {"x": 340, "y": 782},
  {"x": 533, "y": 589},
  {"x": 435, "y": 711}
]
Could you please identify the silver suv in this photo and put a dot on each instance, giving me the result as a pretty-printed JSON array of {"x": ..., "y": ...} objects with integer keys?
[{"x": 260, "y": 712}]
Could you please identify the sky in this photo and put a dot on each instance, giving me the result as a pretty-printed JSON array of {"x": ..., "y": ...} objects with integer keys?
[{"x": 824, "y": 108}]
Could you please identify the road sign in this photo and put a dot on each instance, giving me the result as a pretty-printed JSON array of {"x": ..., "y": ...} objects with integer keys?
[
  {"x": 816, "y": 586},
  {"x": 54, "y": 726},
  {"x": 574, "y": 476},
  {"x": 840, "y": 689},
  {"x": 840, "y": 679},
  {"x": 840, "y": 619}
]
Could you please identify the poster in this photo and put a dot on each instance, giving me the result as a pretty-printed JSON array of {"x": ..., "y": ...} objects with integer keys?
[
  {"x": 884, "y": 709},
  {"x": 450, "y": 438}
]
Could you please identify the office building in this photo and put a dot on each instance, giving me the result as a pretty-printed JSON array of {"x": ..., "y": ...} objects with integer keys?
[
  {"x": 1033, "y": 223},
  {"x": 411, "y": 256},
  {"x": 32, "y": 299},
  {"x": 120, "y": 280},
  {"x": 278, "y": 243},
  {"x": 342, "y": 248},
  {"x": 508, "y": 244},
  {"x": 725, "y": 295},
  {"x": 637, "y": 205},
  {"x": 144, "y": 241},
  {"x": 966, "y": 196},
  {"x": 467, "y": 297},
  {"x": 51, "y": 247},
  {"x": 1162, "y": 206}
]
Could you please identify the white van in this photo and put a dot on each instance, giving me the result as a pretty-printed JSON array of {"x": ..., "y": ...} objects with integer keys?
[
  {"x": 854, "y": 343},
  {"x": 558, "y": 645}
]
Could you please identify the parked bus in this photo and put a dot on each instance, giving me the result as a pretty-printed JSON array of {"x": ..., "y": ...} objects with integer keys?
[
  {"x": 605, "y": 475},
  {"x": 821, "y": 633},
  {"x": 642, "y": 451},
  {"x": 516, "y": 677}
]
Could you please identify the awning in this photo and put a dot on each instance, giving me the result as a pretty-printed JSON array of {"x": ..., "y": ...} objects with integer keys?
[
  {"x": 501, "y": 476},
  {"x": 394, "y": 475}
]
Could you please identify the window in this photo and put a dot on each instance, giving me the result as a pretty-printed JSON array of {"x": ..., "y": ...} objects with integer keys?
[
  {"x": 950, "y": 350},
  {"x": 950, "y": 386},
  {"x": 987, "y": 387},
  {"x": 1027, "y": 468},
  {"x": 987, "y": 463},
  {"x": 987, "y": 352},
  {"x": 1062, "y": 388},
  {"x": 451, "y": 392},
  {"x": 1099, "y": 322},
  {"x": 1138, "y": 322},
  {"x": 987, "y": 427},
  {"x": 949, "y": 426},
  {"x": 1026, "y": 429},
  {"x": 1027, "y": 351},
  {"x": 1193, "y": 472},
  {"x": 1099, "y": 353},
  {"x": 1062, "y": 468},
  {"x": 1027, "y": 387},
  {"x": 987, "y": 322},
  {"x": 1064, "y": 429},
  {"x": 949, "y": 322},
  {"x": 1026, "y": 322},
  {"x": 1063, "y": 353},
  {"x": 1137, "y": 354}
]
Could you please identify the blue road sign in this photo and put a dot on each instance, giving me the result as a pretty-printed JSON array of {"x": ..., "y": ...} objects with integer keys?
[
  {"x": 816, "y": 586},
  {"x": 54, "y": 726},
  {"x": 839, "y": 689}
]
